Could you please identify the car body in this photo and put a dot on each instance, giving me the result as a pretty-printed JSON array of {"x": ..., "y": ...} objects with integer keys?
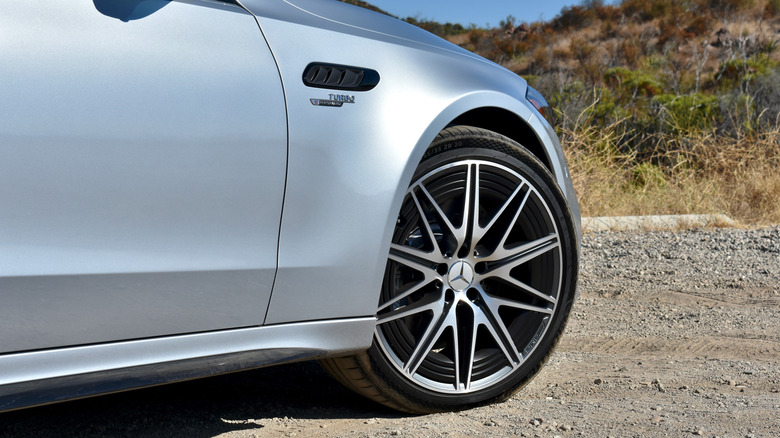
[{"x": 179, "y": 200}]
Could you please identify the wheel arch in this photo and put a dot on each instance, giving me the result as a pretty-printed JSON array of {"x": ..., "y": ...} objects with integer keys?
[
  {"x": 504, "y": 114},
  {"x": 508, "y": 124}
]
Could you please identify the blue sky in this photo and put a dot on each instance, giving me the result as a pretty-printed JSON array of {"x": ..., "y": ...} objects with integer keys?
[{"x": 479, "y": 12}]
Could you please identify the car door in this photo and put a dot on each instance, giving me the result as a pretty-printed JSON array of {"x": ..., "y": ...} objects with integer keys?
[{"x": 142, "y": 167}]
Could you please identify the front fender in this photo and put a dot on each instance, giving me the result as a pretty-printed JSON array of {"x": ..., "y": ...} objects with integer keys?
[{"x": 349, "y": 166}]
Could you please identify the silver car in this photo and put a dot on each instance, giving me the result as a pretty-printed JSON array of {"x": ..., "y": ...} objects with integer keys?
[{"x": 194, "y": 187}]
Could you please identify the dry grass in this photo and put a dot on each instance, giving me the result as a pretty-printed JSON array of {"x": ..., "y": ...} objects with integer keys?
[
  {"x": 702, "y": 173},
  {"x": 747, "y": 171}
]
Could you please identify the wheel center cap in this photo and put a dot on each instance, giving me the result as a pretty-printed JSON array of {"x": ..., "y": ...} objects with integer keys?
[{"x": 460, "y": 276}]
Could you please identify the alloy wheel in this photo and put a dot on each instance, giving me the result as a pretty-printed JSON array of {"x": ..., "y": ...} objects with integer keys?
[{"x": 473, "y": 277}]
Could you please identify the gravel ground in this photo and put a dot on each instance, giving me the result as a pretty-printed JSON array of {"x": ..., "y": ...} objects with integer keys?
[{"x": 675, "y": 334}]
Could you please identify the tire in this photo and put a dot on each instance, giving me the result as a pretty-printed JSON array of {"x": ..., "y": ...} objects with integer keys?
[{"x": 469, "y": 310}]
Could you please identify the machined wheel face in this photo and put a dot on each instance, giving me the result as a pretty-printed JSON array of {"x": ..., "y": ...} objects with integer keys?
[{"x": 473, "y": 278}]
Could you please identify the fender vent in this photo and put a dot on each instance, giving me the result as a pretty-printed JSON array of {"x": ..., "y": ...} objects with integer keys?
[{"x": 340, "y": 77}]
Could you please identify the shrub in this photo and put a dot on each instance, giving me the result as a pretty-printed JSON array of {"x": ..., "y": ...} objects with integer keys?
[
  {"x": 540, "y": 57},
  {"x": 687, "y": 114},
  {"x": 728, "y": 6},
  {"x": 647, "y": 175},
  {"x": 699, "y": 26},
  {"x": 573, "y": 17},
  {"x": 648, "y": 10},
  {"x": 632, "y": 83},
  {"x": 772, "y": 8},
  {"x": 740, "y": 73},
  {"x": 630, "y": 52}
]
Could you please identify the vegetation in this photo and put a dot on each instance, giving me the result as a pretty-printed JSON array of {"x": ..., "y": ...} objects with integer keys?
[{"x": 667, "y": 106}]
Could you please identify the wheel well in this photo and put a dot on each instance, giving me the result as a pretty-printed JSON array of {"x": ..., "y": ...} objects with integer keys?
[{"x": 507, "y": 124}]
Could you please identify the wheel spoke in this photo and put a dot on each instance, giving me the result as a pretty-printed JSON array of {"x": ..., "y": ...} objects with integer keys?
[
  {"x": 476, "y": 230},
  {"x": 523, "y": 253},
  {"x": 459, "y": 233},
  {"x": 456, "y": 348},
  {"x": 470, "y": 212},
  {"x": 411, "y": 257},
  {"x": 495, "y": 302},
  {"x": 398, "y": 299},
  {"x": 500, "y": 331},
  {"x": 439, "y": 323},
  {"x": 468, "y": 360},
  {"x": 502, "y": 269},
  {"x": 439, "y": 212},
  {"x": 500, "y": 252},
  {"x": 491, "y": 321},
  {"x": 424, "y": 219},
  {"x": 480, "y": 232},
  {"x": 503, "y": 274},
  {"x": 414, "y": 258},
  {"x": 428, "y": 304}
]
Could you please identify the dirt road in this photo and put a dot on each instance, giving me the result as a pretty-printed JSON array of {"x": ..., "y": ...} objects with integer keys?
[{"x": 675, "y": 334}]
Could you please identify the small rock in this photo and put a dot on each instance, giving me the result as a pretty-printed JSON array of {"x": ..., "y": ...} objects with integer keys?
[{"x": 598, "y": 381}]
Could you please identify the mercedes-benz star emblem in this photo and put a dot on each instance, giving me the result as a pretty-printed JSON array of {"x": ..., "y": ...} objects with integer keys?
[{"x": 461, "y": 276}]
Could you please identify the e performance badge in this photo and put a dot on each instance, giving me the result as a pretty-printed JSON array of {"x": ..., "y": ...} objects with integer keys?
[{"x": 336, "y": 100}]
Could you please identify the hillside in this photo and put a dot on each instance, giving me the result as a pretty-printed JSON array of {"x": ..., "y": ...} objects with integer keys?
[
  {"x": 663, "y": 106},
  {"x": 639, "y": 53}
]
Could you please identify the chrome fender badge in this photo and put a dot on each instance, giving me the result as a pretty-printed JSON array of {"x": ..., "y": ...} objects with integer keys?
[{"x": 336, "y": 100}]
